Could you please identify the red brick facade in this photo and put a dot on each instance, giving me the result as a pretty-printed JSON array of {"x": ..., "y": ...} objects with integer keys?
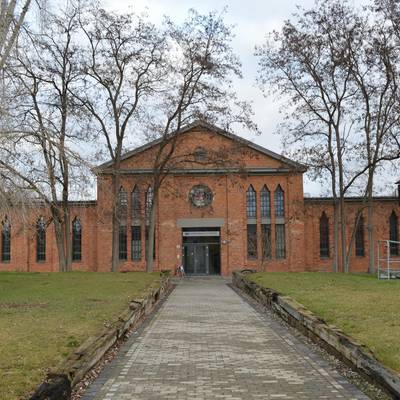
[{"x": 248, "y": 165}]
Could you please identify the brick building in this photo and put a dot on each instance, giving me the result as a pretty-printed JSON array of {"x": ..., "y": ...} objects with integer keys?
[{"x": 226, "y": 204}]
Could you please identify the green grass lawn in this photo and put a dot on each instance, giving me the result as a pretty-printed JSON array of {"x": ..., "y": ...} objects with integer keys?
[
  {"x": 43, "y": 317},
  {"x": 362, "y": 306}
]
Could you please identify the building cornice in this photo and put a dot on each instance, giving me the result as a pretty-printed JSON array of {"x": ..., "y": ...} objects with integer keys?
[{"x": 205, "y": 171}]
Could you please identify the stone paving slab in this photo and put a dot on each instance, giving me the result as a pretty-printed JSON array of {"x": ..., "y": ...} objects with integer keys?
[{"x": 206, "y": 342}]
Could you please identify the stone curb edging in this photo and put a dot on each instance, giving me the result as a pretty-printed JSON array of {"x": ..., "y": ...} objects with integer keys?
[
  {"x": 59, "y": 383},
  {"x": 330, "y": 337}
]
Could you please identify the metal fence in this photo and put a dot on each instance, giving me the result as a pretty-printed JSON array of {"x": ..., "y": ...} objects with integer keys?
[{"x": 388, "y": 259}]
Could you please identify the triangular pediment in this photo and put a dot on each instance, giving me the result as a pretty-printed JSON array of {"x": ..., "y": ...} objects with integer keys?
[{"x": 207, "y": 135}]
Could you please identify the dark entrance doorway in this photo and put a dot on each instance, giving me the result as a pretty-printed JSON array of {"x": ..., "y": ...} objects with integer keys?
[{"x": 201, "y": 251}]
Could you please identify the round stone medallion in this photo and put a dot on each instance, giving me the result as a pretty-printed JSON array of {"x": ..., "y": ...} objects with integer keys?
[{"x": 200, "y": 196}]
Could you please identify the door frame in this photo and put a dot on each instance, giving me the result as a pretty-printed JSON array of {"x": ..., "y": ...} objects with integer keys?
[{"x": 199, "y": 243}]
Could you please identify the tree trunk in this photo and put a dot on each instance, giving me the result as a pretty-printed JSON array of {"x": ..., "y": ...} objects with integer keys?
[
  {"x": 335, "y": 236},
  {"x": 67, "y": 234},
  {"x": 342, "y": 213},
  {"x": 65, "y": 208},
  {"x": 335, "y": 254},
  {"x": 343, "y": 239},
  {"x": 11, "y": 28},
  {"x": 353, "y": 235},
  {"x": 60, "y": 240},
  {"x": 371, "y": 264},
  {"x": 115, "y": 224},
  {"x": 115, "y": 243},
  {"x": 151, "y": 235}
]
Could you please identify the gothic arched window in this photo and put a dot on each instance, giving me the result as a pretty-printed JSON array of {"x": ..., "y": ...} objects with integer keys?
[
  {"x": 265, "y": 202},
  {"x": 324, "y": 236},
  {"x": 41, "y": 239},
  {"x": 360, "y": 251},
  {"x": 280, "y": 233},
  {"x": 122, "y": 216},
  {"x": 251, "y": 241},
  {"x": 136, "y": 240},
  {"x": 6, "y": 240},
  {"x": 76, "y": 240},
  {"x": 122, "y": 205},
  {"x": 279, "y": 202},
  {"x": 149, "y": 203},
  {"x": 251, "y": 202},
  {"x": 394, "y": 234},
  {"x": 136, "y": 243},
  {"x": 280, "y": 241},
  {"x": 266, "y": 222},
  {"x": 266, "y": 241},
  {"x": 123, "y": 245},
  {"x": 136, "y": 204}
]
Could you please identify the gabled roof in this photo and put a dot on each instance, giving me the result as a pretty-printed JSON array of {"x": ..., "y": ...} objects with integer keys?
[{"x": 212, "y": 128}]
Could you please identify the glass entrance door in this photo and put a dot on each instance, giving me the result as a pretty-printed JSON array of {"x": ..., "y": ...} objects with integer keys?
[
  {"x": 201, "y": 254},
  {"x": 196, "y": 258}
]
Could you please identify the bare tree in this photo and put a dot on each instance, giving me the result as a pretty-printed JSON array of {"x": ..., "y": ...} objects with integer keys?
[
  {"x": 122, "y": 66},
  {"x": 39, "y": 155},
  {"x": 333, "y": 63},
  {"x": 198, "y": 86},
  {"x": 374, "y": 69},
  {"x": 390, "y": 9},
  {"x": 304, "y": 62},
  {"x": 12, "y": 16},
  {"x": 10, "y": 25}
]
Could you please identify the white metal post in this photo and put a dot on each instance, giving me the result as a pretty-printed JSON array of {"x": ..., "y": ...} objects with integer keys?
[
  {"x": 379, "y": 260},
  {"x": 388, "y": 258}
]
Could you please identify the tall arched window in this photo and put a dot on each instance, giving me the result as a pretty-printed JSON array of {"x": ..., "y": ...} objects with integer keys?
[
  {"x": 280, "y": 232},
  {"x": 136, "y": 204},
  {"x": 251, "y": 202},
  {"x": 265, "y": 202},
  {"x": 251, "y": 241},
  {"x": 6, "y": 240},
  {"x": 251, "y": 210},
  {"x": 280, "y": 241},
  {"x": 360, "y": 251},
  {"x": 394, "y": 234},
  {"x": 266, "y": 222},
  {"x": 149, "y": 203},
  {"x": 123, "y": 245},
  {"x": 122, "y": 205},
  {"x": 136, "y": 240},
  {"x": 136, "y": 243},
  {"x": 266, "y": 241},
  {"x": 76, "y": 240},
  {"x": 279, "y": 202},
  {"x": 41, "y": 239},
  {"x": 324, "y": 236}
]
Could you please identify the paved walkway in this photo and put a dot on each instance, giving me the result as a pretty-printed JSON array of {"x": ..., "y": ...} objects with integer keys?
[{"x": 206, "y": 342}]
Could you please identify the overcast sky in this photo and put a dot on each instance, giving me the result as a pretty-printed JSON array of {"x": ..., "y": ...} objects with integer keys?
[{"x": 252, "y": 20}]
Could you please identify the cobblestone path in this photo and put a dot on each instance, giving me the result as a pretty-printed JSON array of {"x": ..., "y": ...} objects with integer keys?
[{"x": 206, "y": 342}]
